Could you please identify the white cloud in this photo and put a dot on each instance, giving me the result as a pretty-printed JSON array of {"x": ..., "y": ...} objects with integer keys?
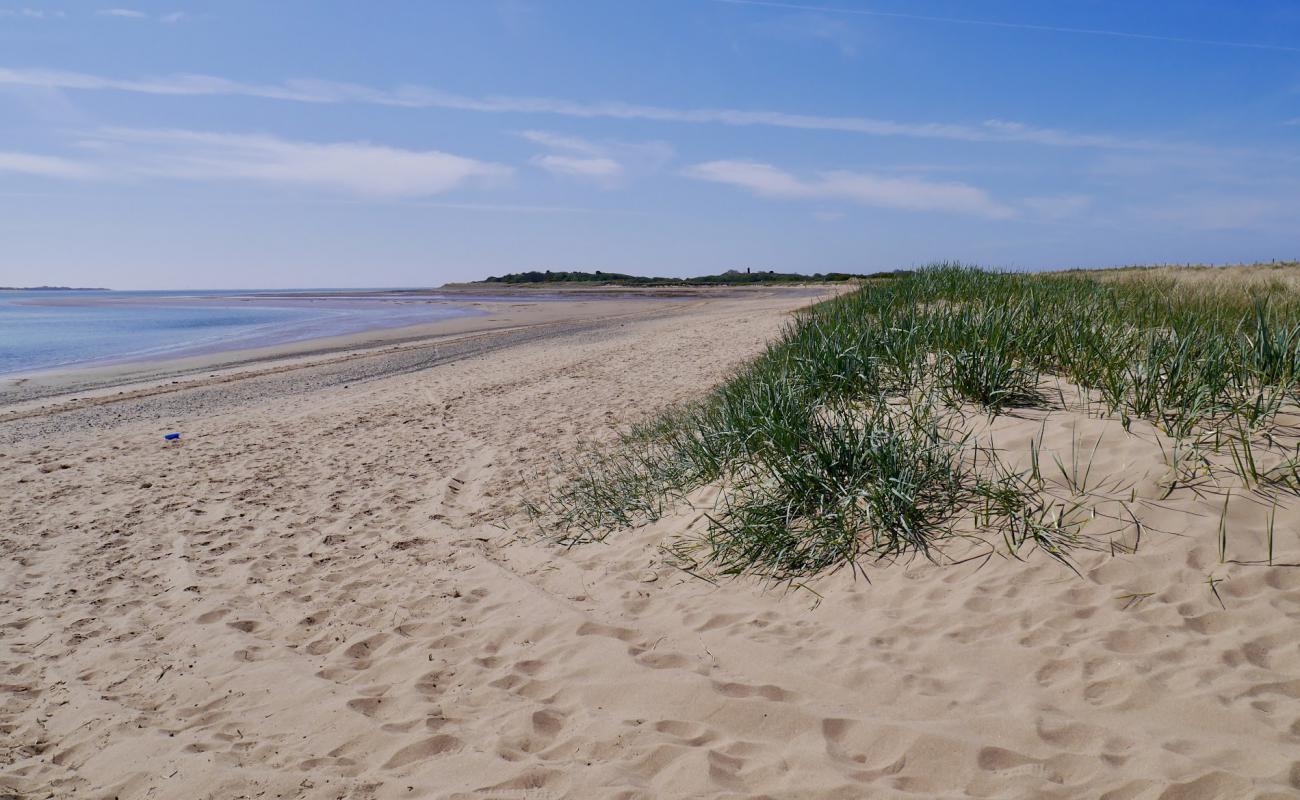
[
  {"x": 361, "y": 168},
  {"x": 911, "y": 194},
  {"x": 761, "y": 179},
  {"x": 600, "y": 168},
  {"x": 130, "y": 13},
  {"x": 558, "y": 141},
  {"x": 423, "y": 97},
  {"x": 1295, "y": 121},
  {"x": 352, "y": 167},
  {"x": 577, "y": 157},
  {"x": 604, "y": 162},
  {"x": 31, "y": 13},
  {"x": 44, "y": 166}
]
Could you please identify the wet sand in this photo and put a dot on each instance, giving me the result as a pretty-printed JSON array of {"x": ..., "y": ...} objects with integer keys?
[{"x": 495, "y": 321}]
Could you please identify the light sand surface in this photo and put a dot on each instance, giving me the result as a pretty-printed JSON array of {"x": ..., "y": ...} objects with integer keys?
[
  {"x": 329, "y": 589},
  {"x": 503, "y": 316}
]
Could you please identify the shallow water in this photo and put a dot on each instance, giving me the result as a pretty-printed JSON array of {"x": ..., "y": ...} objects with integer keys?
[{"x": 41, "y": 330}]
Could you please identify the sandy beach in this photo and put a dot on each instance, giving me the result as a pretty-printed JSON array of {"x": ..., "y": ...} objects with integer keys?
[{"x": 329, "y": 588}]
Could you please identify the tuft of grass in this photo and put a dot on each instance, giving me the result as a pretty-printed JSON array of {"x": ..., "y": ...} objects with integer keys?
[
  {"x": 1223, "y": 528},
  {"x": 1134, "y": 599},
  {"x": 1213, "y": 583},
  {"x": 836, "y": 446},
  {"x": 865, "y": 482}
]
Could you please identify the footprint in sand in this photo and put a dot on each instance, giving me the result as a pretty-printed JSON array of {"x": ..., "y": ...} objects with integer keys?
[{"x": 424, "y": 749}]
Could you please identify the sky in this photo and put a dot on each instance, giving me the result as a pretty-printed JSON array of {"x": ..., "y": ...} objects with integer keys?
[{"x": 243, "y": 144}]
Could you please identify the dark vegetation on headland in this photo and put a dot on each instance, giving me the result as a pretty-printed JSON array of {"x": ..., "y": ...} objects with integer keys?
[
  {"x": 849, "y": 440},
  {"x": 729, "y": 278},
  {"x": 53, "y": 289}
]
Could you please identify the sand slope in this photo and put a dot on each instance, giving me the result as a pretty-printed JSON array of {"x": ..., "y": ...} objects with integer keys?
[{"x": 334, "y": 594}]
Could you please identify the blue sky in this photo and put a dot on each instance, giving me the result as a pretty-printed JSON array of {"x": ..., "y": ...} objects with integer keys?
[{"x": 254, "y": 144}]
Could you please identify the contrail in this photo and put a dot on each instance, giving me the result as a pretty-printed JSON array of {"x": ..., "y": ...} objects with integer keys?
[{"x": 1022, "y": 26}]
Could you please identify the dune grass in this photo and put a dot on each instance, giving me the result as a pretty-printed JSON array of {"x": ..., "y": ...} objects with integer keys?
[{"x": 839, "y": 444}]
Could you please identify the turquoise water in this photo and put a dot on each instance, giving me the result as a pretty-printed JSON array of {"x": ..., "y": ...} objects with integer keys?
[{"x": 44, "y": 330}]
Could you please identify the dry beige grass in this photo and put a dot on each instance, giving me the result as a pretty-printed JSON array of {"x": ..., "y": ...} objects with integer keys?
[{"x": 1240, "y": 277}]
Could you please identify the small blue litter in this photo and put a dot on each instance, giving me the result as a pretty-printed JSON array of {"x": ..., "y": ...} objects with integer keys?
[{"x": 172, "y": 436}]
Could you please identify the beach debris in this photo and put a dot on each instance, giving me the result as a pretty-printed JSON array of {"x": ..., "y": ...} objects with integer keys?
[{"x": 171, "y": 437}]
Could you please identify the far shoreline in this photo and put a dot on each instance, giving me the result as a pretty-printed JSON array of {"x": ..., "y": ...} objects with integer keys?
[
  {"x": 54, "y": 289},
  {"x": 22, "y": 395}
]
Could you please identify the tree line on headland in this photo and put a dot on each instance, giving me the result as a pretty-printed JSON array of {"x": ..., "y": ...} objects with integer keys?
[
  {"x": 731, "y": 277},
  {"x": 52, "y": 289}
]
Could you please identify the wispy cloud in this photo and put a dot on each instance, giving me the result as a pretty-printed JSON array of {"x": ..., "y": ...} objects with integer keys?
[
  {"x": 356, "y": 167},
  {"x": 912, "y": 194},
  {"x": 575, "y": 157},
  {"x": 599, "y": 168},
  {"x": 131, "y": 13},
  {"x": 351, "y": 167},
  {"x": 30, "y": 13},
  {"x": 604, "y": 162},
  {"x": 559, "y": 141},
  {"x": 987, "y": 23},
  {"x": 814, "y": 28},
  {"x": 305, "y": 91},
  {"x": 44, "y": 166},
  {"x": 514, "y": 208},
  {"x": 1292, "y": 122}
]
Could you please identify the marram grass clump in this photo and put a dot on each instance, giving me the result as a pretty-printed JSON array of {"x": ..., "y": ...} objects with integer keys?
[{"x": 841, "y": 444}]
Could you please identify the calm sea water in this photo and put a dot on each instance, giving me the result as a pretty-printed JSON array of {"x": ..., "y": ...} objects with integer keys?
[{"x": 52, "y": 329}]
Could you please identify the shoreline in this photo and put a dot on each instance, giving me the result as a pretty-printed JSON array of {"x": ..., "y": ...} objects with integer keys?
[
  {"x": 19, "y": 389},
  {"x": 309, "y": 316},
  {"x": 508, "y": 309},
  {"x": 63, "y": 400}
]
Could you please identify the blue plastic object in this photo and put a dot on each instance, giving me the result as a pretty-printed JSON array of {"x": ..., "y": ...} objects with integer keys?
[{"x": 172, "y": 436}]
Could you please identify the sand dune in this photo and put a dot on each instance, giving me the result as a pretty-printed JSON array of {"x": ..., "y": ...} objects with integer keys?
[{"x": 335, "y": 593}]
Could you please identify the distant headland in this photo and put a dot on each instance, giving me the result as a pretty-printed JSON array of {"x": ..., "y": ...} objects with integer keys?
[
  {"x": 54, "y": 289},
  {"x": 731, "y": 277}
]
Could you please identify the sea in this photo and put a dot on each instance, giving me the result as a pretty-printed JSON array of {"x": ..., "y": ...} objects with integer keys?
[{"x": 55, "y": 329}]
